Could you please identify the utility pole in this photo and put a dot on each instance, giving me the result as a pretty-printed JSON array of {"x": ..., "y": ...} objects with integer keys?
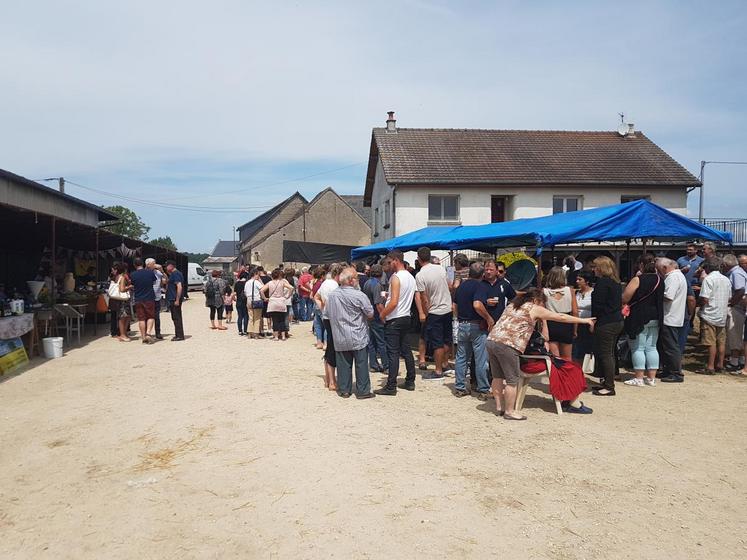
[{"x": 700, "y": 202}]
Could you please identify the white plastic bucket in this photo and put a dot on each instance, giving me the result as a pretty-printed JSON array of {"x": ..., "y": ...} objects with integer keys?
[{"x": 52, "y": 347}]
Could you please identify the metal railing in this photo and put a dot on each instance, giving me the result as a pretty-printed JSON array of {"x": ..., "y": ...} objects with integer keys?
[{"x": 736, "y": 226}]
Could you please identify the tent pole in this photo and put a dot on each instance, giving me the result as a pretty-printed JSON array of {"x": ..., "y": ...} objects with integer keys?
[
  {"x": 539, "y": 267},
  {"x": 54, "y": 260},
  {"x": 643, "y": 250},
  {"x": 630, "y": 264}
]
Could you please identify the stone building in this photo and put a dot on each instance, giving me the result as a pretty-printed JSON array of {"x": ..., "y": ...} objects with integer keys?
[{"x": 328, "y": 218}]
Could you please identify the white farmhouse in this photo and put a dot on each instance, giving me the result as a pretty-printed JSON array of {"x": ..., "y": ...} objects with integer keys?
[{"x": 422, "y": 177}]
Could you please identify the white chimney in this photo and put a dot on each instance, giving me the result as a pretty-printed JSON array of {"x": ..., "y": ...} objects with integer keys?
[
  {"x": 631, "y": 130},
  {"x": 391, "y": 122}
]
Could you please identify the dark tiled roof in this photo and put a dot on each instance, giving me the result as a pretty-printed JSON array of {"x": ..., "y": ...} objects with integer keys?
[
  {"x": 521, "y": 157},
  {"x": 104, "y": 215},
  {"x": 355, "y": 201},
  {"x": 225, "y": 249},
  {"x": 252, "y": 227}
]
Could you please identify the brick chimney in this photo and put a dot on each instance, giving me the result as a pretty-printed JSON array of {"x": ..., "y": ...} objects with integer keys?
[{"x": 391, "y": 122}]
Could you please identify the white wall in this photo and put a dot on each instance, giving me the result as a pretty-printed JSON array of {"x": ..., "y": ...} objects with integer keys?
[
  {"x": 381, "y": 193},
  {"x": 524, "y": 202}
]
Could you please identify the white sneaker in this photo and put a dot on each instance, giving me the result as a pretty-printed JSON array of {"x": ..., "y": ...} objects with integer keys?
[
  {"x": 634, "y": 382},
  {"x": 449, "y": 372},
  {"x": 651, "y": 382}
]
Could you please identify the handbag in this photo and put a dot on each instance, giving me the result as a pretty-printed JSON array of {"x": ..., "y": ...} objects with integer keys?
[
  {"x": 626, "y": 308},
  {"x": 114, "y": 292},
  {"x": 256, "y": 303},
  {"x": 588, "y": 364}
]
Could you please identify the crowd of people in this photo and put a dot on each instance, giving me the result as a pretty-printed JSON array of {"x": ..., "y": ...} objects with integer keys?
[
  {"x": 472, "y": 322},
  {"x": 140, "y": 294}
]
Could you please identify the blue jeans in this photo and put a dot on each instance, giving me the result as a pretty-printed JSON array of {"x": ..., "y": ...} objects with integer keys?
[
  {"x": 305, "y": 309},
  {"x": 345, "y": 361},
  {"x": 643, "y": 350},
  {"x": 242, "y": 317},
  {"x": 377, "y": 345},
  {"x": 471, "y": 339},
  {"x": 318, "y": 325},
  {"x": 684, "y": 333}
]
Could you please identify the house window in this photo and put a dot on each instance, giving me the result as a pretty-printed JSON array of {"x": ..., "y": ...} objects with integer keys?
[
  {"x": 443, "y": 208},
  {"x": 561, "y": 204},
  {"x": 631, "y": 197},
  {"x": 387, "y": 222},
  {"x": 376, "y": 222}
]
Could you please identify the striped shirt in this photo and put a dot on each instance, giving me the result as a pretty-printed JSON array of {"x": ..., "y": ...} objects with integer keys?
[{"x": 348, "y": 310}]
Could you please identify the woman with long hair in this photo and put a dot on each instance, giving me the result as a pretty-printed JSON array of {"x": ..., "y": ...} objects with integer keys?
[
  {"x": 508, "y": 340},
  {"x": 583, "y": 344},
  {"x": 277, "y": 292},
  {"x": 319, "y": 332},
  {"x": 644, "y": 295},
  {"x": 214, "y": 290},
  {"x": 121, "y": 308},
  {"x": 242, "y": 313},
  {"x": 606, "y": 306},
  {"x": 254, "y": 302},
  {"x": 561, "y": 298}
]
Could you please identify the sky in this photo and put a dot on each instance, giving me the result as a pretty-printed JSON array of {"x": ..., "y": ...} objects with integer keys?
[{"x": 230, "y": 106}]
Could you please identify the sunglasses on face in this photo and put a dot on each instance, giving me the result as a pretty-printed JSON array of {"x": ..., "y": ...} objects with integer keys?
[{"x": 500, "y": 271}]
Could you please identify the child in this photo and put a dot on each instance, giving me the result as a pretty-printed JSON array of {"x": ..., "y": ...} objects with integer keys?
[{"x": 228, "y": 298}]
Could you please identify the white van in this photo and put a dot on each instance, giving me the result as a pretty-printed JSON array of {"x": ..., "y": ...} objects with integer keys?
[{"x": 195, "y": 277}]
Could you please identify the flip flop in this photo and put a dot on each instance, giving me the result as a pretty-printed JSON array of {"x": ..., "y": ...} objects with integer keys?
[{"x": 514, "y": 417}]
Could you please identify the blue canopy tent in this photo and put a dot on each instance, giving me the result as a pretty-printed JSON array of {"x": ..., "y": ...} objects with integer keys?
[
  {"x": 426, "y": 237},
  {"x": 639, "y": 219}
]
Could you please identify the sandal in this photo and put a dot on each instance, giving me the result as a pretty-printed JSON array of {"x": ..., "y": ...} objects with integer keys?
[
  {"x": 506, "y": 417},
  {"x": 606, "y": 393},
  {"x": 422, "y": 366}
]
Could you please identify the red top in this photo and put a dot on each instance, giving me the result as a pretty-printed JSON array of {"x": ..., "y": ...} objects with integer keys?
[{"x": 303, "y": 281}]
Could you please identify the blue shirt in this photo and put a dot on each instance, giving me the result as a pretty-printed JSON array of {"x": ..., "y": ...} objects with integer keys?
[
  {"x": 504, "y": 291},
  {"x": 174, "y": 279},
  {"x": 694, "y": 265},
  {"x": 373, "y": 289},
  {"x": 467, "y": 293},
  {"x": 142, "y": 280}
]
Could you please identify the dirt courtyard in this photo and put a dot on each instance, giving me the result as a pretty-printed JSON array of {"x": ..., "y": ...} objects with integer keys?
[{"x": 224, "y": 447}]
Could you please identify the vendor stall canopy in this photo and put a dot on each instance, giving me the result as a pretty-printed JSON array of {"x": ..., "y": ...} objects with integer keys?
[{"x": 639, "y": 219}]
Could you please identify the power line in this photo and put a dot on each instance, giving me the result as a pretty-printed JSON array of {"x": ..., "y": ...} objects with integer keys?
[
  {"x": 204, "y": 209},
  {"x": 243, "y": 189}
]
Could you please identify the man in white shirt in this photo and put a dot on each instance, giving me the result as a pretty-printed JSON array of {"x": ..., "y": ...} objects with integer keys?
[
  {"x": 675, "y": 303},
  {"x": 715, "y": 293},
  {"x": 736, "y": 317},
  {"x": 433, "y": 300},
  {"x": 396, "y": 315},
  {"x": 157, "y": 294}
]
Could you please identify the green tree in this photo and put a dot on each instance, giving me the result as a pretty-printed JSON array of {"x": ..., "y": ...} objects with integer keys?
[
  {"x": 196, "y": 257},
  {"x": 164, "y": 242},
  {"x": 129, "y": 223}
]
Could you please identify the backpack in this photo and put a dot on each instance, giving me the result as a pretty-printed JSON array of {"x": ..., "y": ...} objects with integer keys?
[{"x": 210, "y": 290}]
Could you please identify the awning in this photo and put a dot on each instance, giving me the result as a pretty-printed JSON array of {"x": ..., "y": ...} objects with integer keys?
[{"x": 639, "y": 219}]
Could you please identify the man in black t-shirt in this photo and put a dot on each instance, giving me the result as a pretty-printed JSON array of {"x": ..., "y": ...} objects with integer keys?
[
  {"x": 499, "y": 291},
  {"x": 474, "y": 324}
]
